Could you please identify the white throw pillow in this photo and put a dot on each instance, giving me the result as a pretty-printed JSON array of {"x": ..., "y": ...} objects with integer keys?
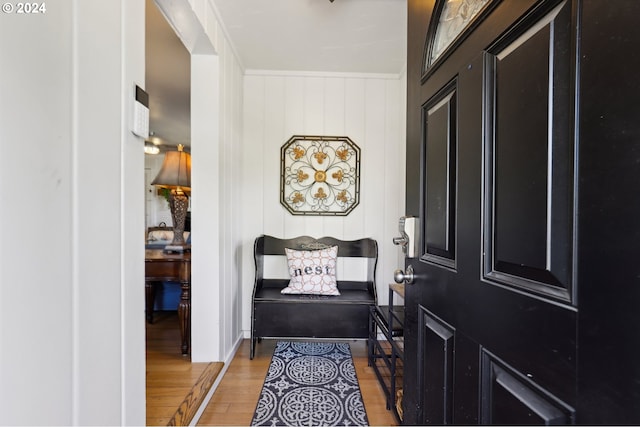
[{"x": 312, "y": 272}]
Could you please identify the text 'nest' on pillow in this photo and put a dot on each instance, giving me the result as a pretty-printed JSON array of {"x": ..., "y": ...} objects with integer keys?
[{"x": 312, "y": 272}]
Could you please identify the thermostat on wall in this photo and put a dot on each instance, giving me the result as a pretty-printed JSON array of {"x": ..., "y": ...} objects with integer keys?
[{"x": 141, "y": 113}]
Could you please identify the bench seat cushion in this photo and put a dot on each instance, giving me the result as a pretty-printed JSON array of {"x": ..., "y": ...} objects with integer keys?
[{"x": 347, "y": 296}]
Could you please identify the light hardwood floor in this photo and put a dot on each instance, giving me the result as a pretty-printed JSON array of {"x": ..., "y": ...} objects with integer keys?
[{"x": 174, "y": 384}]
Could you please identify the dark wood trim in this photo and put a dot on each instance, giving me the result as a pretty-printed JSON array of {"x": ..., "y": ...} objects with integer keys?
[{"x": 192, "y": 401}]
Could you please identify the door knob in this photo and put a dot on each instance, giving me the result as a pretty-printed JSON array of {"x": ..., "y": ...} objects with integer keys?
[
  {"x": 402, "y": 240},
  {"x": 400, "y": 276}
]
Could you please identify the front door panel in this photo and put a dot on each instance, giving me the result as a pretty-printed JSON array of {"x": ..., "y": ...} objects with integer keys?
[
  {"x": 510, "y": 398},
  {"x": 440, "y": 162},
  {"x": 436, "y": 340},
  {"x": 529, "y": 157},
  {"x": 491, "y": 316}
]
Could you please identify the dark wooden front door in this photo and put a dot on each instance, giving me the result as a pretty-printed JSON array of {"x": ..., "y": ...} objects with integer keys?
[{"x": 502, "y": 169}]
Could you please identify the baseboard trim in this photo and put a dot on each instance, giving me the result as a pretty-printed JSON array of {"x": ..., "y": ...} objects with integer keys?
[{"x": 205, "y": 401}]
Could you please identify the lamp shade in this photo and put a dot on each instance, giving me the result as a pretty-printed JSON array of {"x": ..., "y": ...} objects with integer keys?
[{"x": 175, "y": 170}]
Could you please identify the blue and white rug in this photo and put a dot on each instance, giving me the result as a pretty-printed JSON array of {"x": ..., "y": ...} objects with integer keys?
[{"x": 311, "y": 384}]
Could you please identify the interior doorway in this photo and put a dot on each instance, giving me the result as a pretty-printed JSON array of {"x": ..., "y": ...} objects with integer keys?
[
  {"x": 168, "y": 83},
  {"x": 203, "y": 112}
]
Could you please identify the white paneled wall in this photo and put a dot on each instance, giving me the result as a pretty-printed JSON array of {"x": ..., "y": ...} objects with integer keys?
[
  {"x": 71, "y": 311},
  {"x": 230, "y": 133},
  {"x": 369, "y": 109}
]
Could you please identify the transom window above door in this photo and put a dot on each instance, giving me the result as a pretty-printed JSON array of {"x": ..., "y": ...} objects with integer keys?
[{"x": 451, "y": 19}]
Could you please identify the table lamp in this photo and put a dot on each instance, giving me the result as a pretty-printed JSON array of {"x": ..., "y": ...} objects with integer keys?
[{"x": 175, "y": 175}]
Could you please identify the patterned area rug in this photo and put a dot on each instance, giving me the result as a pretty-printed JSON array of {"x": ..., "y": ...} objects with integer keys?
[{"x": 311, "y": 384}]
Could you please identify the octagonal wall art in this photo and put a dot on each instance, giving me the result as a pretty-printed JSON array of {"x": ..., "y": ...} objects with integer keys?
[{"x": 320, "y": 175}]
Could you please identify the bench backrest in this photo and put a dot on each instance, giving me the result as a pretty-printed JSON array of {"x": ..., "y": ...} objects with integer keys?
[{"x": 362, "y": 248}]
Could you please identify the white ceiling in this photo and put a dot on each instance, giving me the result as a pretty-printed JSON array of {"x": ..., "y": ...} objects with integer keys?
[
  {"x": 360, "y": 36},
  {"x": 343, "y": 36},
  {"x": 168, "y": 82}
]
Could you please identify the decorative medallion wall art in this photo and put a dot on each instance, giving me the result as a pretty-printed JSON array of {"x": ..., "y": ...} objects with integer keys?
[{"x": 320, "y": 175}]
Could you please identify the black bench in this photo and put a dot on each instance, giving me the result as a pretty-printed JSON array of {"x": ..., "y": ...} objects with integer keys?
[{"x": 277, "y": 315}]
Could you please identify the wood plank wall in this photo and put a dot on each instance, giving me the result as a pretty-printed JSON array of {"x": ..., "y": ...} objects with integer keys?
[{"x": 369, "y": 109}]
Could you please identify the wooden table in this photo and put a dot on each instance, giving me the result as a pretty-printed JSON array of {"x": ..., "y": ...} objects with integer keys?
[{"x": 161, "y": 267}]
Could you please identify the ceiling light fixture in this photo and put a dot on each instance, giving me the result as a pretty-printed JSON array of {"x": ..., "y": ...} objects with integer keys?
[{"x": 151, "y": 149}]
